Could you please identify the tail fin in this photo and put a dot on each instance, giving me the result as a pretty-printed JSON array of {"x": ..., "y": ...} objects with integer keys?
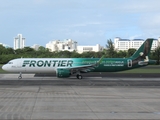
[{"x": 144, "y": 50}]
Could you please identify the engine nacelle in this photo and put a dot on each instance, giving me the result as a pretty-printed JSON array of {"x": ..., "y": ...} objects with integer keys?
[{"x": 63, "y": 73}]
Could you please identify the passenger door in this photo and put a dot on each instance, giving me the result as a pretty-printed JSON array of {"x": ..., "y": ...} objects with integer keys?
[{"x": 129, "y": 63}]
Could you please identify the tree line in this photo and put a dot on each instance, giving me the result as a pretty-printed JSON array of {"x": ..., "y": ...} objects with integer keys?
[{"x": 7, "y": 54}]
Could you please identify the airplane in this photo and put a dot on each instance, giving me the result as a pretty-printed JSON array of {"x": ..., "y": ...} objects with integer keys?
[{"x": 65, "y": 67}]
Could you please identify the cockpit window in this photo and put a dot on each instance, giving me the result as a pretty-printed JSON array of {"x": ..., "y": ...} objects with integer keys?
[{"x": 10, "y": 62}]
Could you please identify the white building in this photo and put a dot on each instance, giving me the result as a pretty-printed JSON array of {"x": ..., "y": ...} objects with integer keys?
[
  {"x": 57, "y": 45},
  {"x": 35, "y": 46},
  {"x": 125, "y": 44},
  {"x": 5, "y": 45},
  {"x": 97, "y": 48},
  {"x": 19, "y": 42}
]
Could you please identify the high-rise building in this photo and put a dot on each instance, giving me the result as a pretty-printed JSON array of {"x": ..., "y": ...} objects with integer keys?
[{"x": 19, "y": 42}]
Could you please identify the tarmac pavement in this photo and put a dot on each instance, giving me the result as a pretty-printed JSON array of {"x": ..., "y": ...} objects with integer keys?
[{"x": 46, "y": 98}]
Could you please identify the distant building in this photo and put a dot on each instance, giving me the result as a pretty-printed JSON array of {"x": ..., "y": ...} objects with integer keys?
[
  {"x": 35, "y": 46},
  {"x": 4, "y": 45},
  {"x": 70, "y": 45},
  {"x": 57, "y": 45},
  {"x": 97, "y": 48},
  {"x": 19, "y": 42},
  {"x": 125, "y": 44}
]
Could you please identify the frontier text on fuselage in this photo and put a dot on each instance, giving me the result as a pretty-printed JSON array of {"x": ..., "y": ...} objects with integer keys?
[{"x": 47, "y": 63}]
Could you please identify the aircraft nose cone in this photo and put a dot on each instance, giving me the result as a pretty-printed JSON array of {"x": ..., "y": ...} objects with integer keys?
[{"x": 4, "y": 67}]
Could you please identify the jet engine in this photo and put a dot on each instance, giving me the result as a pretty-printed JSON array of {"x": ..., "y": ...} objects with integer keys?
[{"x": 63, "y": 73}]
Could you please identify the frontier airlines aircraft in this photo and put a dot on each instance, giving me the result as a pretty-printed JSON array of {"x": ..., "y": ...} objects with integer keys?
[{"x": 65, "y": 67}]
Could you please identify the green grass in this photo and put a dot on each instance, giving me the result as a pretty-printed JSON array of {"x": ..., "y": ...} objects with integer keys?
[
  {"x": 140, "y": 70},
  {"x": 2, "y": 71}
]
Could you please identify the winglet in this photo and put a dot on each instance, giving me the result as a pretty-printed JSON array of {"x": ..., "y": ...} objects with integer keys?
[{"x": 100, "y": 60}]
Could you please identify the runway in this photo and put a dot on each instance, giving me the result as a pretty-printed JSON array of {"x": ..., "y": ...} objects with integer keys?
[
  {"x": 85, "y": 82},
  {"x": 29, "y": 79},
  {"x": 46, "y": 98}
]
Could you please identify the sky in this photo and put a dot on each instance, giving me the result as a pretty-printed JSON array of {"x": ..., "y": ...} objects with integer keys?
[{"x": 89, "y": 22}]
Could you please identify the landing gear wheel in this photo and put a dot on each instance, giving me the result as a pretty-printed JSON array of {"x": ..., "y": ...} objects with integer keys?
[
  {"x": 79, "y": 77},
  {"x": 20, "y": 76}
]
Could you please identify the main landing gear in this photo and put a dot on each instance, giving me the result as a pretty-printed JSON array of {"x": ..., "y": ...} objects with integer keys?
[
  {"x": 20, "y": 76},
  {"x": 79, "y": 76}
]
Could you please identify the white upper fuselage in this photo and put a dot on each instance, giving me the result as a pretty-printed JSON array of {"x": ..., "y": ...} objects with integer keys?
[
  {"x": 32, "y": 65},
  {"x": 50, "y": 65}
]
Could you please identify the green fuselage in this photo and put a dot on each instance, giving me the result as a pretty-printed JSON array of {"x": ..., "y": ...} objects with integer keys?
[
  {"x": 110, "y": 64},
  {"x": 51, "y": 64}
]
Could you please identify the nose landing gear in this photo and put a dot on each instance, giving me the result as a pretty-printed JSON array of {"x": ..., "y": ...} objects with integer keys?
[{"x": 20, "y": 76}]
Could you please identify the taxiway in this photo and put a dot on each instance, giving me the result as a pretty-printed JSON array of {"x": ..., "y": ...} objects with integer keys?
[{"x": 37, "y": 98}]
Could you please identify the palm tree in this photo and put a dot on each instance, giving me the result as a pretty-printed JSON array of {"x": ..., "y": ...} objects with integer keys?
[{"x": 110, "y": 48}]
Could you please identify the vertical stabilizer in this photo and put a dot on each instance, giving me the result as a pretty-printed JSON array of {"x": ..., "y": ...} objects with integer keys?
[{"x": 144, "y": 51}]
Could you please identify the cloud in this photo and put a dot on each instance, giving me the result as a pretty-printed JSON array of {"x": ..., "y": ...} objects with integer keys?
[
  {"x": 84, "y": 24},
  {"x": 39, "y": 1},
  {"x": 135, "y": 37},
  {"x": 89, "y": 22},
  {"x": 150, "y": 21},
  {"x": 136, "y": 6}
]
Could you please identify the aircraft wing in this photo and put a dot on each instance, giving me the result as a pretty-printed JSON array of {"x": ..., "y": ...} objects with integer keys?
[{"x": 85, "y": 68}]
